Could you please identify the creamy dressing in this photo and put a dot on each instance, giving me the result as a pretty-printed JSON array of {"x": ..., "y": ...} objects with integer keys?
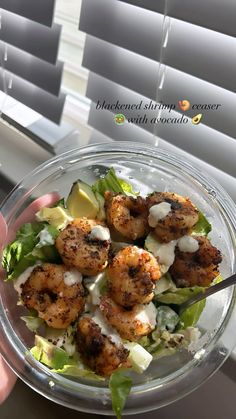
[
  {"x": 93, "y": 286},
  {"x": 147, "y": 314},
  {"x": 21, "y": 280},
  {"x": 188, "y": 244},
  {"x": 166, "y": 253},
  {"x": 106, "y": 329},
  {"x": 100, "y": 233},
  {"x": 158, "y": 212},
  {"x": 45, "y": 238},
  {"x": 72, "y": 277}
]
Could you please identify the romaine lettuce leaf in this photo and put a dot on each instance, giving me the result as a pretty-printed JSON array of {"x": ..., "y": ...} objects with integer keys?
[
  {"x": 60, "y": 203},
  {"x": 112, "y": 183},
  {"x": 33, "y": 323},
  {"x": 179, "y": 296},
  {"x": 203, "y": 227},
  {"x": 192, "y": 314},
  {"x": 23, "y": 252},
  {"x": 120, "y": 386},
  {"x": 78, "y": 370}
]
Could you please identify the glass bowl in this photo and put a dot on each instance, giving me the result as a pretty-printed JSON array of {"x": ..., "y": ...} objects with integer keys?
[{"x": 167, "y": 379}]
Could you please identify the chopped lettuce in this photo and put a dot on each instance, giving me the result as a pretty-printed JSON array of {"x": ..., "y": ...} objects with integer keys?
[
  {"x": 217, "y": 280},
  {"x": 181, "y": 295},
  {"x": 112, "y": 183},
  {"x": 203, "y": 227},
  {"x": 78, "y": 370},
  {"x": 61, "y": 203},
  {"x": 191, "y": 315},
  {"x": 164, "y": 284},
  {"x": 120, "y": 386},
  {"x": 32, "y": 322},
  {"x": 25, "y": 250}
]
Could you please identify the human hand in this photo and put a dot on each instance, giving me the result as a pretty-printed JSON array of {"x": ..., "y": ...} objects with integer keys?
[{"x": 7, "y": 377}]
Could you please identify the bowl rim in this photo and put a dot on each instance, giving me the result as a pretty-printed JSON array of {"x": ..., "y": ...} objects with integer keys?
[{"x": 223, "y": 201}]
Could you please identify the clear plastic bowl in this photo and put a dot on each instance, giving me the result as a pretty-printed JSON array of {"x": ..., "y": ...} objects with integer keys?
[{"x": 167, "y": 379}]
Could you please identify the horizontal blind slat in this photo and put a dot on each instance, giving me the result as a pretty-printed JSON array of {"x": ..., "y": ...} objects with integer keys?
[
  {"x": 178, "y": 86},
  {"x": 217, "y": 15},
  {"x": 35, "y": 98},
  {"x": 202, "y": 53},
  {"x": 40, "y": 11},
  {"x": 202, "y": 141},
  {"x": 36, "y": 71},
  {"x": 121, "y": 66},
  {"x": 140, "y": 74},
  {"x": 104, "y": 122},
  {"x": 132, "y": 28},
  {"x": 31, "y": 37},
  {"x": 195, "y": 50}
]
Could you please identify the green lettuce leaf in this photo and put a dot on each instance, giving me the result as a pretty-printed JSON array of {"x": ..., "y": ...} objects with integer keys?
[
  {"x": 60, "y": 203},
  {"x": 33, "y": 323},
  {"x": 203, "y": 227},
  {"x": 161, "y": 352},
  {"x": 192, "y": 314},
  {"x": 112, "y": 183},
  {"x": 78, "y": 370},
  {"x": 179, "y": 296},
  {"x": 120, "y": 386},
  {"x": 17, "y": 255},
  {"x": 24, "y": 251}
]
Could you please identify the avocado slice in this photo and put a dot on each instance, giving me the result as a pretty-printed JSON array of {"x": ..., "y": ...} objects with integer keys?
[
  {"x": 49, "y": 354},
  {"x": 81, "y": 201},
  {"x": 58, "y": 217}
]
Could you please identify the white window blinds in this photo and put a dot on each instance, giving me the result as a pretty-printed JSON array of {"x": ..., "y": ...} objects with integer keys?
[
  {"x": 166, "y": 50},
  {"x": 29, "y": 69}
]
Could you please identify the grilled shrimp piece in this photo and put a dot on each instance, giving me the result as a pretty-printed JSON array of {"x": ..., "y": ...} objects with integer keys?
[
  {"x": 80, "y": 249},
  {"x": 198, "y": 268},
  {"x": 179, "y": 221},
  {"x": 98, "y": 351},
  {"x": 47, "y": 291},
  {"x": 130, "y": 324},
  {"x": 127, "y": 215},
  {"x": 132, "y": 274}
]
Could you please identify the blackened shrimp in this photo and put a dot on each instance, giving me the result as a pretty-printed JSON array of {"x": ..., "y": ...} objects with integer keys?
[
  {"x": 131, "y": 324},
  {"x": 127, "y": 215},
  {"x": 197, "y": 268},
  {"x": 80, "y": 249},
  {"x": 47, "y": 291},
  {"x": 98, "y": 351},
  {"x": 132, "y": 274},
  {"x": 178, "y": 221}
]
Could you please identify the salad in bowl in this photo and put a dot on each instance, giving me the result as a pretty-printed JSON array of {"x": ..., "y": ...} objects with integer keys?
[{"x": 102, "y": 274}]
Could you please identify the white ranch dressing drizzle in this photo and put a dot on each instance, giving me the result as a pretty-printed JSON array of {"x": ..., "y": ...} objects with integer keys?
[
  {"x": 72, "y": 277},
  {"x": 100, "y": 233},
  {"x": 188, "y": 244},
  {"x": 158, "y": 212}
]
